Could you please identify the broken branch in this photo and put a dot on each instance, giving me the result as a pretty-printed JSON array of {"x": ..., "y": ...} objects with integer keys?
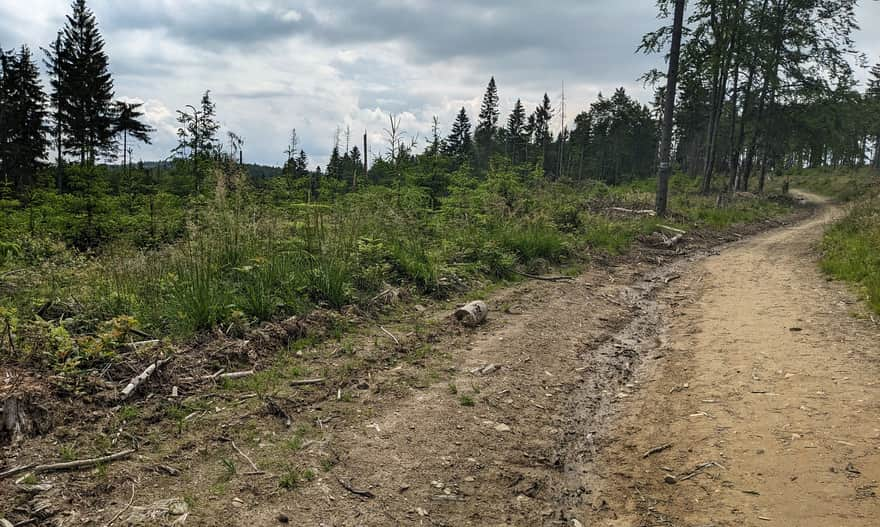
[
  {"x": 305, "y": 382},
  {"x": 390, "y": 335},
  {"x": 544, "y": 278},
  {"x": 358, "y": 492},
  {"x": 256, "y": 469},
  {"x": 135, "y": 382},
  {"x": 657, "y": 450},
  {"x": 69, "y": 465}
]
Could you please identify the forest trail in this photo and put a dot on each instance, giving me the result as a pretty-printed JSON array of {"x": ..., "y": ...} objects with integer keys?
[
  {"x": 750, "y": 366},
  {"x": 769, "y": 377}
]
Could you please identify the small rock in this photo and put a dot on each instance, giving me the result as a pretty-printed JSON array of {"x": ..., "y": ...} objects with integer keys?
[
  {"x": 437, "y": 484},
  {"x": 421, "y": 512},
  {"x": 501, "y": 427},
  {"x": 669, "y": 478},
  {"x": 282, "y": 518},
  {"x": 575, "y": 523},
  {"x": 470, "y": 479}
]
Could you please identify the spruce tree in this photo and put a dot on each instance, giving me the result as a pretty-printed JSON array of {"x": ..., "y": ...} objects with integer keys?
[
  {"x": 540, "y": 125},
  {"x": 487, "y": 122},
  {"x": 56, "y": 62},
  {"x": 459, "y": 144},
  {"x": 22, "y": 119},
  {"x": 516, "y": 132},
  {"x": 208, "y": 126},
  {"x": 542, "y": 116},
  {"x": 85, "y": 85},
  {"x": 6, "y": 83},
  {"x": 28, "y": 138}
]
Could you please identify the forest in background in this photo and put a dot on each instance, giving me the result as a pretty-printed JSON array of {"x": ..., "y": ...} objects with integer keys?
[{"x": 94, "y": 247}]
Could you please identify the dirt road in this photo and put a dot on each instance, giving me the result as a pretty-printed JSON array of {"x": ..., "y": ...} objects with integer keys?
[
  {"x": 768, "y": 376},
  {"x": 750, "y": 369},
  {"x": 743, "y": 373}
]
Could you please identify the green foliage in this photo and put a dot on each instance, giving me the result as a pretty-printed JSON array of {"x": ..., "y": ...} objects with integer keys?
[{"x": 850, "y": 250}]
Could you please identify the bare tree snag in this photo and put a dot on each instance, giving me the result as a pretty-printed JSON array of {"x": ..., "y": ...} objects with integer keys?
[{"x": 472, "y": 314}]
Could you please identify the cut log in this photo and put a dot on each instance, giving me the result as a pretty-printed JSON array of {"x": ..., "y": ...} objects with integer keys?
[
  {"x": 472, "y": 314},
  {"x": 137, "y": 381}
]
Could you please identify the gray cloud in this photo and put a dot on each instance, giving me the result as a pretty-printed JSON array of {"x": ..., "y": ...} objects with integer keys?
[{"x": 319, "y": 65}]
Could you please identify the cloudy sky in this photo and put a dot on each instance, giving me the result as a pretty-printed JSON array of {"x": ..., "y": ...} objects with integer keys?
[{"x": 323, "y": 65}]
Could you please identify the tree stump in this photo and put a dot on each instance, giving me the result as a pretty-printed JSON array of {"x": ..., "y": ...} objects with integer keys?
[
  {"x": 20, "y": 420},
  {"x": 472, "y": 314}
]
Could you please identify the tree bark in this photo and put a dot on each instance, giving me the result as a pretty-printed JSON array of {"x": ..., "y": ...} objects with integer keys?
[{"x": 665, "y": 166}]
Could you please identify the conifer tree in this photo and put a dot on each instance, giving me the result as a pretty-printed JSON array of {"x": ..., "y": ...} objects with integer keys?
[
  {"x": 56, "y": 62},
  {"x": 208, "y": 127},
  {"x": 487, "y": 122},
  {"x": 459, "y": 144},
  {"x": 516, "y": 132},
  {"x": 540, "y": 124},
  {"x": 22, "y": 118},
  {"x": 6, "y": 83},
  {"x": 84, "y": 85}
]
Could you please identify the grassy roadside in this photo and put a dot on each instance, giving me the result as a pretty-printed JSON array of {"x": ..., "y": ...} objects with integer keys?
[
  {"x": 241, "y": 263},
  {"x": 95, "y": 303},
  {"x": 851, "y": 247}
]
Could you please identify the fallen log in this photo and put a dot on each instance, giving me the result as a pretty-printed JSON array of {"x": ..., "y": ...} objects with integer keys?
[
  {"x": 68, "y": 465},
  {"x": 472, "y": 314},
  {"x": 137, "y": 381},
  {"x": 236, "y": 374},
  {"x": 644, "y": 212}
]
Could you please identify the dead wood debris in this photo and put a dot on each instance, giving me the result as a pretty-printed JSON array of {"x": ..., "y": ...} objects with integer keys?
[
  {"x": 656, "y": 450},
  {"x": 358, "y": 492},
  {"x": 68, "y": 465},
  {"x": 138, "y": 380}
]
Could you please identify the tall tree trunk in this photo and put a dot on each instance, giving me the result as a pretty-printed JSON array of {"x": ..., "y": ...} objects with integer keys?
[
  {"x": 876, "y": 163},
  {"x": 734, "y": 114},
  {"x": 59, "y": 169},
  {"x": 665, "y": 167}
]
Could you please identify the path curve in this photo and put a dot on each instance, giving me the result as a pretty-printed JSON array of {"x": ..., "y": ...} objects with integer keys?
[{"x": 767, "y": 394}]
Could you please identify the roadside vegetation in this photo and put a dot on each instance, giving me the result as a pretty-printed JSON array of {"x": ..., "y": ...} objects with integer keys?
[
  {"x": 238, "y": 259},
  {"x": 851, "y": 247}
]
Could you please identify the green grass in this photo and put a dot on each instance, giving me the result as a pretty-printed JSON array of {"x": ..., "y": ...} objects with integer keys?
[
  {"x": 238, "y": 262},
  {"x": 841, "y": 184},
  {"x": 851, "y": 250}
]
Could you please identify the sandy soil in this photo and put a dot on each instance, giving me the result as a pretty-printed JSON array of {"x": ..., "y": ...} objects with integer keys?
[
  {"x": 769, "y": 374},
  {"x": 744, "y": 363}
]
